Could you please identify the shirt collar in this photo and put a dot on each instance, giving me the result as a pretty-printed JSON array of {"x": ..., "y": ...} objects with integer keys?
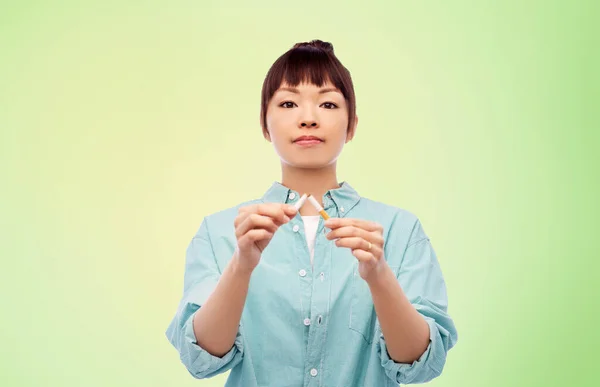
[{"x": 342, "y": 199}]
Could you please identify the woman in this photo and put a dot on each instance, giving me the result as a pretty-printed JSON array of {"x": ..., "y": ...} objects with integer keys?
[{"x": 283, "y": 298}]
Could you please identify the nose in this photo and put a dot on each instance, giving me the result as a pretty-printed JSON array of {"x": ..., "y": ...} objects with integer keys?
[
  {"x": 308, "y": 124},
  {"x": 308, "y": 118}
]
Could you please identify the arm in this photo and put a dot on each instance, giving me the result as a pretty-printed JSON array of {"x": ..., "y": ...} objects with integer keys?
[
  {"x": 204, "y": 286},
  {"x": 394, "y": 310},
  {"x": 413, "y": 326},
  {"x": 421, "y": 298},
  {"x": 216, "y": 323},
  {"x": 206, "y": 330}
]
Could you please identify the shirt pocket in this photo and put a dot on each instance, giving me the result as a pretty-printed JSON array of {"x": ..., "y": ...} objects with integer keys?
[{"x": 362, "y": 309}]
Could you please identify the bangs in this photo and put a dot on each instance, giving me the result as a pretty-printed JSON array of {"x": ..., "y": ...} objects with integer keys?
[
  {"x": 306, "y": 66},
  {"x": 303, "y": 65}
]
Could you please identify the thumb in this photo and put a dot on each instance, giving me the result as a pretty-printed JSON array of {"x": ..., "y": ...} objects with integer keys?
[{"x": 289, "y": 210}]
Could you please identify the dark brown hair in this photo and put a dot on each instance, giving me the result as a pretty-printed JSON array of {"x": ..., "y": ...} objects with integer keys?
[{"x": 311, "y": 62}]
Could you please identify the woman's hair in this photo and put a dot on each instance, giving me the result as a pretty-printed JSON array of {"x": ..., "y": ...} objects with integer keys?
[{"x": 310, "y": 62}]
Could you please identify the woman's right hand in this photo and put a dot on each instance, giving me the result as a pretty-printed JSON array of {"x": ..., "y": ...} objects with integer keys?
[{"x": 255, "y": 226}]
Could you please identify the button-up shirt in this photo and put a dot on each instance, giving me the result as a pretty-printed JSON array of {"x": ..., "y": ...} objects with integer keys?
[{"x": 314, "y": 325}]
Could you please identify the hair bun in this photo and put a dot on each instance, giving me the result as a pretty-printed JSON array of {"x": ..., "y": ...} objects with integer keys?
[{"x": 319, "y": 44}]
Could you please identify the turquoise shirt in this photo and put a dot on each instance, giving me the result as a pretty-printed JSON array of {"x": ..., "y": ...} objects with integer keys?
[{"x": 314, "y": 326}]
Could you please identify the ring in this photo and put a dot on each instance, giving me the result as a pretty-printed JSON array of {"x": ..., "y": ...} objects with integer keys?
[{"x": 370, "y": 245}]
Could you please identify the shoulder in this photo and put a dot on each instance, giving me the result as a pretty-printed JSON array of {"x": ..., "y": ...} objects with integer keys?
[
  {"x": 395, "y": 214},
  {"x": 398, "y": 222}
]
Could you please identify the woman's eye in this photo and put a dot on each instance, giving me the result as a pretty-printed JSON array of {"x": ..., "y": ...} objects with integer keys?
[{"x": 289, "y": 104}]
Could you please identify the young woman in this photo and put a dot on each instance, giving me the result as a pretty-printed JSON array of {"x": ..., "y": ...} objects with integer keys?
[{"x": 283, "y": 298}]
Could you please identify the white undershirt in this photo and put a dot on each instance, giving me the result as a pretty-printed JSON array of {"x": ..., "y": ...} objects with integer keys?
[{"x": 311, "y": 223}]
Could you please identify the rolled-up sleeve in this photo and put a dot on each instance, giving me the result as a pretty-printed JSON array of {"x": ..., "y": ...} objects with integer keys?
[
  {"x": 421, "y": 280},
  {"x": 200, "y": 279}
]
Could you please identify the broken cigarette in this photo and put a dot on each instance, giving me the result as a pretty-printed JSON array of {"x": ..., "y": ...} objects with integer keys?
[{"x": 320, "y": 209}]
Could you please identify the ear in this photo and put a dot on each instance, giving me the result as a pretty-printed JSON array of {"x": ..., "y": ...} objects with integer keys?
[{"x": 352, "y": 130}]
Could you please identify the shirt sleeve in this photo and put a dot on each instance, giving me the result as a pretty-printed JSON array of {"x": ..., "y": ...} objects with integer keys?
[
  {"x": 422, "y": 282},
  {"x": 200, "y": 279}
]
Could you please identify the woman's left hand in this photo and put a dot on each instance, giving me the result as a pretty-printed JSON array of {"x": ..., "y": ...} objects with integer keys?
[{"x": 364, "y": 238}]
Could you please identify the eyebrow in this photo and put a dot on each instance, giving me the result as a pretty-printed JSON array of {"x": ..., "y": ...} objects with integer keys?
[{"x": 322, "y": 91}]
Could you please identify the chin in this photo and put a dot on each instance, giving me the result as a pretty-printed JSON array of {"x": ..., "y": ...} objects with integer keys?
[{"x": 315, "y": 163}]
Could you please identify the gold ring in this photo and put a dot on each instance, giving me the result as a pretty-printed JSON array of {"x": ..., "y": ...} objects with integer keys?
[{"x": 370, "y": 245}]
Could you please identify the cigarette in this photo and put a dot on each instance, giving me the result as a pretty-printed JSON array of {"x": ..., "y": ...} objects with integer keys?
[
  {"x": 300, "y": 202},
  {"x": 316, "y": 204}
]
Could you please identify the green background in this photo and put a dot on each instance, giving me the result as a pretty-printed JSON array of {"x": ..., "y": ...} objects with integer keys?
[{"x": 124, "y": 123}]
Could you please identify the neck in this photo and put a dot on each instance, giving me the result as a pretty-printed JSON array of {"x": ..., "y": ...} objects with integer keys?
[{"x": 314, "y": 182}]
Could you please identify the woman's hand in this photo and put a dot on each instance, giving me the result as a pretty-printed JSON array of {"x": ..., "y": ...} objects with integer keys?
[
  {"x": 364, "y": 238},
  {"x": 255, "y": 226}
]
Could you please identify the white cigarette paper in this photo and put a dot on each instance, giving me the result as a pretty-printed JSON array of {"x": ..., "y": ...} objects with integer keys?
[{"x": 300, "y": 202}]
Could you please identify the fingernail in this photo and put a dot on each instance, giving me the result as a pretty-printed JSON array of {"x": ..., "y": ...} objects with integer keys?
[{"x": 286, "y": 218}]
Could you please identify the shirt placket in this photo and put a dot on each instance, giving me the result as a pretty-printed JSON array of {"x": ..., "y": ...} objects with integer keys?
[{"x": 318, "y": 320}]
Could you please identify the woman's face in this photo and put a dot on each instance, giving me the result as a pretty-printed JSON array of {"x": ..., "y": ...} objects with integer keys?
[{"x": 308, "y": 125}]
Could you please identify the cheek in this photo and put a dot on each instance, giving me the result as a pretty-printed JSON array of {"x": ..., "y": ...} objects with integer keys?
[
  {"x": 272, "y": 116},
  {"x": 277, "y": 134},
  {"x": 277, "y": 122},
  {"x": 270, "y": 122},
  {"x": 339, "y": 131},
  {"x": 338, "y": 121}
]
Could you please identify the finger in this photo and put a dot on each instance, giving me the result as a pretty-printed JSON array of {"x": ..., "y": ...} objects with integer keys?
[
  {"x": 290, "y": 210},
  {"x": 243, "y": 213},
  {"x": 239, "y": 219},
  {"x": 333, "y": 223},
  {"x": 243, "y": 216},
  {"x": 255, "y": 221},
  {"x": 361, "y": 244},
  {"x": 254, "y": 236},
  {"x": 352, "y": 243},
  {"x": 350, "y": 231},
  {"x": 364, "y": 256},
  {"x": 346, "y": 231},
  {"x": 278, "y": 211}
]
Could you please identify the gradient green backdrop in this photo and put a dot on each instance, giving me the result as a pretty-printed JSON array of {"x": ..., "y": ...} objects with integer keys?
[{"x": 124, "y": 123}]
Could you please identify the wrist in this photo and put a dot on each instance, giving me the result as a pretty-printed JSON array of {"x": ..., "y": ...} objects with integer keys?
[
  {"x": 380, "y": 275},
  {"x": 240, "y": 269}
]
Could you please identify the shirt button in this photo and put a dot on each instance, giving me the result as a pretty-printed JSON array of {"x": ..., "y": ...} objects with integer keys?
[
  {"x": 314, "y": 372},
  {"x": 302, "y": 273},
  {"x": 292, "y": 196},
  {"x": 296, "y": 228},
  {"x": 307, "y": 321},
  {"x": 342, "y": 209}
]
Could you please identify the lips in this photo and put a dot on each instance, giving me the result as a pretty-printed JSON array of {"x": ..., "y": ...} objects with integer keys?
[
  {"x": 308, "y": 142},
  {"x": 308, "y": 139}
]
